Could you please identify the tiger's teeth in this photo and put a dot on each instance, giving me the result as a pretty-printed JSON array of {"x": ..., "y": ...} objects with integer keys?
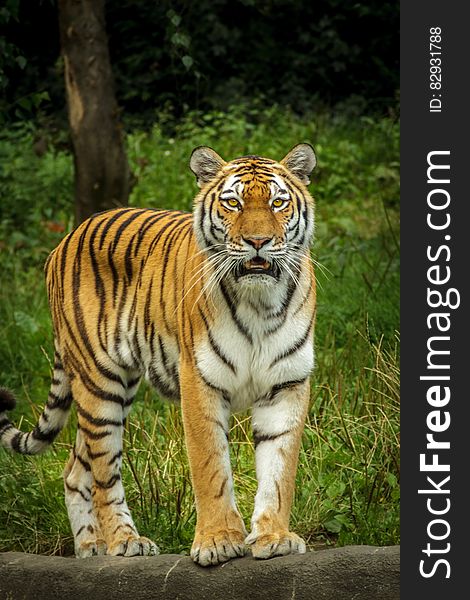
[{"x": 252, "y": 264}]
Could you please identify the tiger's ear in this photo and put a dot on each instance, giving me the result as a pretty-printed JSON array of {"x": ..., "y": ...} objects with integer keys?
[
  {"x": 205, "y": 163},
  {"x": 301, "y": 161}
]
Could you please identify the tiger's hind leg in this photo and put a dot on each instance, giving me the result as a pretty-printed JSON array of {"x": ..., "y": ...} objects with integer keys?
[
  {"x": 88, "y": 540},
  {"x": 78, "y": 482},
  {"x": 102, "y": 405}
]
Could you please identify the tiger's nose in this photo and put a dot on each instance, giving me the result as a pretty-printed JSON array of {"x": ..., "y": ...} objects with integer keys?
[{"x": 257, "y": 241}]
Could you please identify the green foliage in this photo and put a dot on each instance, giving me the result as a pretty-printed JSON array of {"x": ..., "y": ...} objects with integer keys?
[
  {"x": 351, "y": 449},
  {"x": 35, "y": 194},
  {"x": 9, "y": 53},
  {"x": 348, "y": 478},
  {"x": 215, "y": 54},
  {"x": 211, "y": 55},
  {"x": 22, "y": 91}
]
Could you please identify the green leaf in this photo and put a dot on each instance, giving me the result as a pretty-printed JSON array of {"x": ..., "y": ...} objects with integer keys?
[
  {"x": 333, "y": 525},
  {"x": 21, "y": 61},
  {"x": 175, "y": 19},
  {"x": 180, "y": 39},
  {"x": 335, "y": 489},
  {"x": 40, "y": 97},
  {"x": 25, "y": 322},
  {"x": 187, "y": 61},
  {"x": 343, "y": 519},
  {"x": 25, "y": 103}
]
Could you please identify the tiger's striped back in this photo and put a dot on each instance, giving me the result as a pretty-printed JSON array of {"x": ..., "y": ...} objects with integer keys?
[{"x": 112, "y": 307}]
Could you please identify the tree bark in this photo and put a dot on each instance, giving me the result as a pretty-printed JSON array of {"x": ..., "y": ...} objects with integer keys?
[{"x": 102, "y": 176}]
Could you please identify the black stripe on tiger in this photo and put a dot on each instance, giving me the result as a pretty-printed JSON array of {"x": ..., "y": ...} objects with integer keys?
[
  {"x": 223, "y": 392},
  {"x": 94, "y": 389},
  {"x": 107, "y": 485},
  {"x": 129, "y": 260},
  {"x": 272, "y": 397},
  {"x": 117, "y": 329},
  {"x": 4, "y": 425},
  {"x": 44, "y": 434},
  {"x": 136, "y": 347},
  {"x": 165, "y": 362},
  {"x": 215, "y": 346},
  {"x": 259, "y": 438},
  {"x": 136, "y": 213},
  {"x": 115, "y": 458},
  {"x": 285, "y": 385},
  {"x": 59, "y": 402},
  {"x": 305, "y": 298},
  {"x": 171, "y": 238},
  {"x": 154, "y": 217},
  {"x": 114, "y": 275},
  {"x": 85, "y": 464},
  {"x": 93, "y": 455},
  {"x": 206, "y": 221},
  {"x": 161, "y": 232},
  {"x": 97, "y": 421},
  {"x": 63, "y": 261},
  {"x": 162, "y": 387},
  {"x": 148, "y": 325},
  {"x": 176, "y": 282},
  {"x": 94, "y": 435},
  {"x": 283, "y": 310},
  {"x": 77, "y": 308},
  {"x": 295, "y": 347},
  {"x": 75, "y": 489},
  {"x": 110, "y": 221},
  {"x": 233, "y": 311}
]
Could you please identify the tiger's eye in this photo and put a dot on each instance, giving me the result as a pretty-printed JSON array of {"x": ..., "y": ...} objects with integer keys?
[
  {"x": 233, "y": 202},
  {"x": 278, "y": 202}
]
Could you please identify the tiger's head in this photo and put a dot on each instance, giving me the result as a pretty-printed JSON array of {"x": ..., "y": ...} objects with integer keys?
[{"x": 254, "y": 216}]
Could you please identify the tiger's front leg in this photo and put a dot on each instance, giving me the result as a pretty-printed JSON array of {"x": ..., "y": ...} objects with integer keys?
[
  {"x": 277, "y": 432},
  {"x": 220, "y": 531}
]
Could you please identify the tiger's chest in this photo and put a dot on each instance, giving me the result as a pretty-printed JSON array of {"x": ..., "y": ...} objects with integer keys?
[{"x": 246, "y": 356}]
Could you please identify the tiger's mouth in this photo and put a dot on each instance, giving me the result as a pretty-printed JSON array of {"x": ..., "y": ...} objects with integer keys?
[{"x": 257, "y": 266}]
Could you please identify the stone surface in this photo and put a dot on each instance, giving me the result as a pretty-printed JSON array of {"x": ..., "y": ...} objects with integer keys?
[{"x": 362, "y": 572}]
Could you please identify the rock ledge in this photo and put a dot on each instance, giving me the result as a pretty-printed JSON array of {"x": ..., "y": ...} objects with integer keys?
[{"x": 364, "y": 572}]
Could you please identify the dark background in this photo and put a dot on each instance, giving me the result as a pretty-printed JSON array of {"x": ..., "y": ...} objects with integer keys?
[
  {"x": 211, "y": 54},
  {"x": 423, "y": 132}
]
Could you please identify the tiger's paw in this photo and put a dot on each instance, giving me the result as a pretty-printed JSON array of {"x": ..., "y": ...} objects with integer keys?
[
  {"x": 268, "y": 545},
  {"x": 133, "y": 545},
  {"x": 87, "y": 548},
  {"x": 217, "y": 547}
]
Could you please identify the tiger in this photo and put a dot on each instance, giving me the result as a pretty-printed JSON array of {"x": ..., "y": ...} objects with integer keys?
[{"x": 216, "y": 309}]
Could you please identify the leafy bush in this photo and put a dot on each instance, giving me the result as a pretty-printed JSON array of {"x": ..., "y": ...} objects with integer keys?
[
  {"x": 36, "y": 195},
  {"x": 211, "y": 55}
]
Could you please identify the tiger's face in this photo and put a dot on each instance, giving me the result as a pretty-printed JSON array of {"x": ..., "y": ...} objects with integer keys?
[{"x": 254, "y": 216}]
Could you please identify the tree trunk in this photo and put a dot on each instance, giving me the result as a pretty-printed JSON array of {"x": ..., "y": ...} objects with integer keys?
[{"x": 102, "y": 177}]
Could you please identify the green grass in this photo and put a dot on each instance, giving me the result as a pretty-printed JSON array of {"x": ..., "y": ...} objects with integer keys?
[{"x": 348, "y": 477}]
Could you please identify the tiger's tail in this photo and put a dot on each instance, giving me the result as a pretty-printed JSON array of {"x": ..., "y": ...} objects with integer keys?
[{"x": 50, "y": 423}]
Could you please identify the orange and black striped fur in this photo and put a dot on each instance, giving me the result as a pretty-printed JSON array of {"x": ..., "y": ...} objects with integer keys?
[{"x": 215, "y": 308}]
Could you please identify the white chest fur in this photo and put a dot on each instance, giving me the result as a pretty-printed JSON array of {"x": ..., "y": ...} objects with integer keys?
[{"x": 249, "y": 351}]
